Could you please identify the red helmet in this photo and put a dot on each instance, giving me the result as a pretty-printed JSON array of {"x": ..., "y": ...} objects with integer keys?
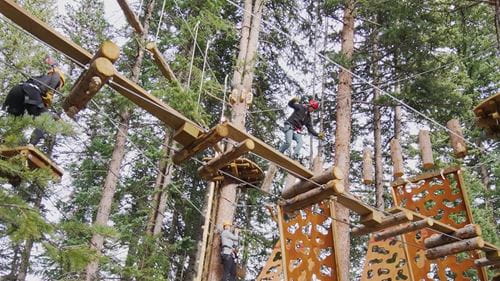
[{"x": 314, "y": 104}]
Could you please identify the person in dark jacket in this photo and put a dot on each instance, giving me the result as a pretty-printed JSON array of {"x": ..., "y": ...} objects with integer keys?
[
  {"x": 300, "y": 117},
  {"x": 35, "y": 96}
]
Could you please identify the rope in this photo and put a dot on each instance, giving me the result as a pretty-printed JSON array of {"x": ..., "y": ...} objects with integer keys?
[{"x": 160, "y": 21}]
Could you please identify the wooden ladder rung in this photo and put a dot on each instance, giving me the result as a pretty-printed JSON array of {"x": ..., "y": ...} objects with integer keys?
[
  {"x": 403, "y": 228},
  {"x": 211, "y": 168},
  {"x": 203, "y": 142},
  {"x": 387, "y": 221}
]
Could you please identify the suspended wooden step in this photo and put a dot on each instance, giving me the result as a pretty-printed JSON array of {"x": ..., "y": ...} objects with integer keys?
[
  {"x": 468, "y": 231},
  {"x": 457, "y": 138},
  {"x": 488, "y": 115},
  {"x": 403, "y": 228},
  {"x": 132, "y": 18},
  {"x": 210, "y": 170},
  {"x": 397, "y": 159},
  {"x": 396, "y": 218},
  {"x": 33, "y": 159},
  {"x": 101, "y": 69},
  {"x": 454, "y": 248},
  {"x": 424, "y": 142},
  {"x": 241, "y": 168},
  {"x": 368, "y": 173},
  {"x": 162, "y": 63},
  {"x": 334, "y": 173}
]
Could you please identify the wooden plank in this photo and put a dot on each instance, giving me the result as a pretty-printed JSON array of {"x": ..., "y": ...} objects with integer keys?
[
  {"x": 36, "y": 159},
  {"x": 423, "y": 176},
  {"x": 132, "y": 18},
  {"x": 267, "y": 152},
  {"x": 42, "y": 31}
]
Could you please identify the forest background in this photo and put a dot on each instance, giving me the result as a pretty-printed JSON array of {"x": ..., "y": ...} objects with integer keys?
[{"x": 439, "y": 57}]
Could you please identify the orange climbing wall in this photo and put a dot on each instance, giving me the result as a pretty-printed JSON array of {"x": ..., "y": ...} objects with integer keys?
[
  {"x": 272, "y": 270},
  {"x": 386, "y": 260},
  {"x": 308, "y": 239},
  {"x": 440, "y": 196}
]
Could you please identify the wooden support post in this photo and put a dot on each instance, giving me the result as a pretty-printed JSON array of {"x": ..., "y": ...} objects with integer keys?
[
  {"x": 389, "y": 221},
  {"x": 332, "y": 188},
  {"x": 424, "y": 141},
  {"x": 468, "y": 231},
  {"x": 132, "y": 18},
  {"x": 397, "y": 159},
  {"x": 367, "y": 166},
  {"x": 211, "y": 168},
  {"x": 454, "y": 248},
  {"x": 89, "y": 83},
  {"x": 201, "y": 143},
  {"x": 457, "y": 138},
  {"x": 306, "y": 185},
  {"x": 162, "y": 63},
  {"x": 402, "y": 229},
  {"x": 482, "y": 262}
]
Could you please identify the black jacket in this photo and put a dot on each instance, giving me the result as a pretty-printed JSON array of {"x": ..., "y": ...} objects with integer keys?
[
  {"x": 300, "y": 117},
  {"x": 43, "y": 84}
]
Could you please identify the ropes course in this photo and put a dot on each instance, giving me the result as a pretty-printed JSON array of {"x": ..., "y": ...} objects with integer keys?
[{"x": 306, "y": 210}]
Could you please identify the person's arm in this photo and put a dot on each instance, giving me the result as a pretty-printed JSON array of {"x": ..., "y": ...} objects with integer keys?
[
  {"x": 48, "y": 82},
  {"x": 293, "y": 103},
  {"x": 229, "y": 235},
  {"x": 309, "y": 126}
]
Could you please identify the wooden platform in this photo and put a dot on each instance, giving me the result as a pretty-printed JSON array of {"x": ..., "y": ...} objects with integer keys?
[
  {"x": 488, "y": 115},
  {"x": 241, "y": 168},
  {"x": 34, "y": 158}
]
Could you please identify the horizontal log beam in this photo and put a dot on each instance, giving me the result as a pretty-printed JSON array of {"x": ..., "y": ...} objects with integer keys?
[
  {"x": 388, "y": 221},
  {"x": 402, "y": 229},
  {"x": 482, "y": 262},
  {"x": 211, "y": 168},
  {"x": 201, "y": 143},
  {"x": 132, "y": 18},
  {"x": 306, "y": 185},
  {"x": 454, "y": 248},
  {"x": 89, "y": 83},
  {"x": 332, "y": 188},
  {"x": 468, "y": 231}
]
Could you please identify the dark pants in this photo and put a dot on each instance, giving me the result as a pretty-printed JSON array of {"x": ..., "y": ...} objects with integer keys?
[
  {"x": 17, "y": 103},
  {"x": 229, "y": 268}
]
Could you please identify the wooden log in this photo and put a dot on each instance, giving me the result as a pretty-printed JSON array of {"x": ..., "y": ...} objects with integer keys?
[
  {"x": 424, "y": 141},
  {"x": 211, "y": 168},
  {"x": 457, "y": 138},
  {"x": 468, "y": 231},
  {"x": 397, "y": 159},
  {"x": 89, "y": 83},
  {"x": 201, "y": 143},
  {"x": 332, "y": 188},
  {"x": 482, "y": 262},
  {"x": 132, "y": 18},
  {"x": 454, "y": 248},
  {"x": 108, "y": 50},
  {"x": 306, "y": 185},
  {"x": 389, "y": 221},
  {"x": 402, "y": 229},
  {"x": 367, "y": 166},
  {"x": 162, "y": 63}
]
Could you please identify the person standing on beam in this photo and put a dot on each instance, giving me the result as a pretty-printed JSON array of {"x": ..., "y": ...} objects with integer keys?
[
  {"x": 35, "y": 96},
  {"x": 300, "y": 117}
]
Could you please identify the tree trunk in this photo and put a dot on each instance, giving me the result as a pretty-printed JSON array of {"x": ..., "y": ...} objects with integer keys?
[
  {"x": 242, "y": 83},
  {"x": 343, "y": 134},
  {"x": 28, "y": 245},
  {"x": 118, "y": 154},
  {"x": 267, "y": 183},
  {"x": 377, "y": 128}
]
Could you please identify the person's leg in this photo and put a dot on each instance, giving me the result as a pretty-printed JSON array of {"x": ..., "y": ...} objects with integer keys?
[
  {"x": 298, "y": 138},
  {"x": 232, "y": 270},
  {"x": 226, "y": 264},
  {"x": 38, "y": 134},
  {"x": 288, "y": 138}
]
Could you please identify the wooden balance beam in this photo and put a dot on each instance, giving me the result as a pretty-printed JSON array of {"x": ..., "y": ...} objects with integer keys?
[
  {"x": 34, "y": 159},
  {"x": 132, "y": 18}
]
